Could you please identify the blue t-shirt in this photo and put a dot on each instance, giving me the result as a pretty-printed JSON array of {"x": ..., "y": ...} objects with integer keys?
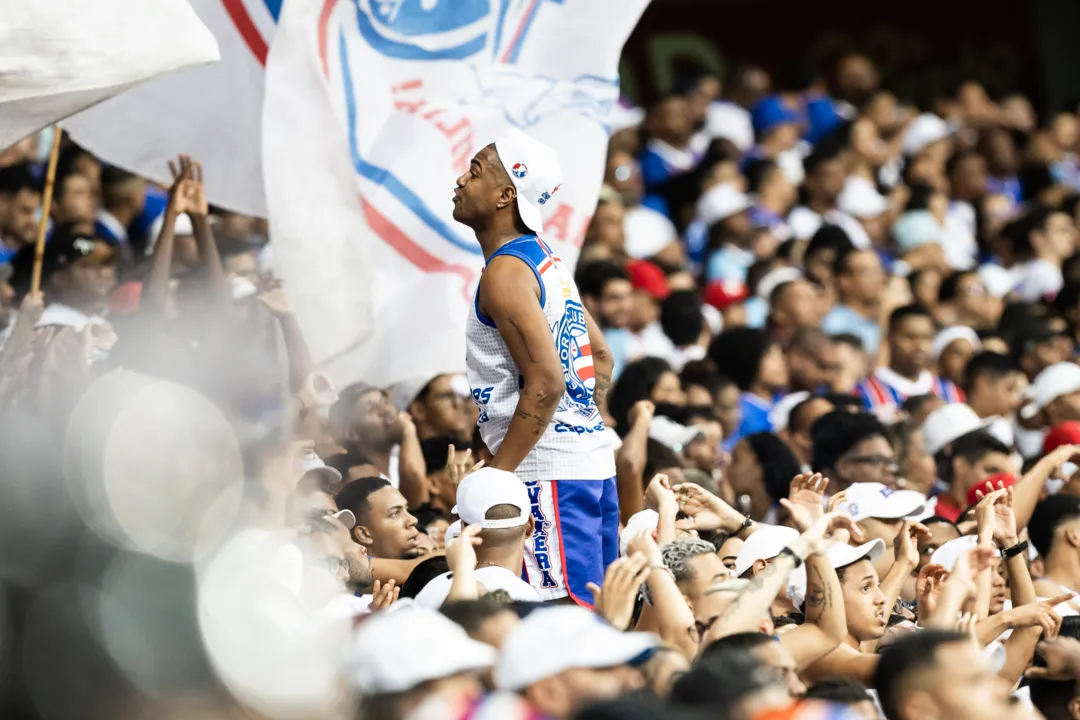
[
  {"x": 755, "y": 418},
  {"x": 842, "y": 319}
]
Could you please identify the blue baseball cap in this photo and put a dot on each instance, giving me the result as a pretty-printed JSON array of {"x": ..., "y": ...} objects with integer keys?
[{"x": 772, "y": 112}]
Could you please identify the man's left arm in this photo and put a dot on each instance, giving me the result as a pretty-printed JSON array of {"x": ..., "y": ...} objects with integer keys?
[{"x": 603, "y": 362}]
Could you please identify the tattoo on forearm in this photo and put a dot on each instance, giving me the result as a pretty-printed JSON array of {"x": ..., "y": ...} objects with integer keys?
[
  {"x": 603, "y": 384},
  {"x": 540, "y": 423},
  {"x": 817, "y": 591},
  {"x": 757, "y": 583}
]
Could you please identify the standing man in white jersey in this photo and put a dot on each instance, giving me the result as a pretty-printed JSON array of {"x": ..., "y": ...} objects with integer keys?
[{"x": 539, "y": 368}]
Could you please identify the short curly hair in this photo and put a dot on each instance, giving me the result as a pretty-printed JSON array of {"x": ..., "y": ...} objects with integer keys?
[{"x": 835, "y": 433}]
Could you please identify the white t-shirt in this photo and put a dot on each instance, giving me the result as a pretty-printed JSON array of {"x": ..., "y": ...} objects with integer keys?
[
  {"x": 1038, "y": 279},
  {"x": 492, "y": 578}
]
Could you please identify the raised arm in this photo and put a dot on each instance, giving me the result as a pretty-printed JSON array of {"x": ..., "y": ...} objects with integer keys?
[
  {"x": 826, "y": 623},
  {"x": 510, "y": 296}
]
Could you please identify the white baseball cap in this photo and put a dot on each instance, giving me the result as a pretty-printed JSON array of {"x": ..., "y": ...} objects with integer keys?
[
  {"x": 393, "y": 652},
  {"x": 312, "y": 464},
  {"x": 1053, "y": 382},
  {"x": 453, "y": 531},
  {"x": 874, "y": 500},
  {"x": 860, "y": 199},
  {"x": 721, "y": 202},
  {"x": 764, "y": 544},
  {"x": 484, "y": 489},
  {"x": 552, "y": 640},
  {"x": 923, "y": 132},
  {"x": 638, "y": 523},
  {"x": 949, "y": 422},
  {"x": 534, "y": 169},
  {"x": 947, "y": 555},
  {"x": 949, "y": 335},
  {"x": 345, "y": 517},
  {"x": 780, "y": 415},
  {"x": 774, "y": 279},
  {"x": 840, "y": 555},
  {"x": 673, "y": 435}
]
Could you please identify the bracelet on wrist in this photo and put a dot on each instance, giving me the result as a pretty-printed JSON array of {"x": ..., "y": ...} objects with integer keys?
[
  {"x": 794, "y": 556},
  {"x": 665, "y": 568},
  {"x": 1015, "y": 550}
]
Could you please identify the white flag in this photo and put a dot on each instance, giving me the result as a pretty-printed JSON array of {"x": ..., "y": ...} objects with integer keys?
[
  {"x": 212, "y": 113},
  {"x": 362, "y": 217},
  {"x": 58, "y": 57}
]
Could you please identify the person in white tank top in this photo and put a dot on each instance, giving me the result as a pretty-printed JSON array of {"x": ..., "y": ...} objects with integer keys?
[{"x": 539, "y": 369}]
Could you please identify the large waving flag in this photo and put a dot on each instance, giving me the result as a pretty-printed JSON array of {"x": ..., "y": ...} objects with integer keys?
[
  {"x": 58, "y": 57},
  {"x": 372, "y": 109},
  {"x": 213, "y": 112}
]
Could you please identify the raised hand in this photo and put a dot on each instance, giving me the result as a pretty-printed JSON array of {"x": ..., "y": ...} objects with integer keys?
[
  {"x": 968, "y": 566},
  {"x": 659, "y": 493},
  {"x": 615, "y": 600},
  {"x": 1004, "y": 534},
  {"x": 705, "y": 511},
  {"x": 1038, "y": 614},
  {"x": 906, "y": 544},
  {"x": 645, "y": 543},
  {"x": 807, "y": 497},
  {"x": 461, "y": 551},
  {"x": 1062, "y": 657},
  {"x": 984, "y": 515},
  {"x": 274, "y": 298},
  {"x": 928, "y": 587},
  {"x": 641, "y": 411},
  {"x": 458, "y": 465},
  {"x": 187, "y": 194},
  {"x": 383, "y": 596},
  {"x": 835, "y": 500}
]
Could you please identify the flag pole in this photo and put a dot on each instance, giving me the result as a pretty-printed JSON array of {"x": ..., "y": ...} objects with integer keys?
[{"x": 46, "y": 206}]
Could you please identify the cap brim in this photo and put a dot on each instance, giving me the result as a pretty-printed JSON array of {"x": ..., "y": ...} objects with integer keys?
[
  {"x": 530, "y": 215},
  {"x": 844, "y": 555},
  {"x": 346, "y": 518},
  {"x": 904, "y": 504},
  {"x": 621, "y": 648}
]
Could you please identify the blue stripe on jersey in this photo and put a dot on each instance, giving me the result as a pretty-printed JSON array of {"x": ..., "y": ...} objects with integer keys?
[{"x": 530, "y": 250}]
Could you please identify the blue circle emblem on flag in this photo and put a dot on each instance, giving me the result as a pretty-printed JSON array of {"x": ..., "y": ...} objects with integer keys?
[
  {"x": 519, "y": 170},
  {"x": 424, "y": 29}
]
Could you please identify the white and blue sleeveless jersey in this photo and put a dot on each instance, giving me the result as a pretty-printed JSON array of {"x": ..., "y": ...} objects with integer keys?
[{"x": 575, "y": 445}]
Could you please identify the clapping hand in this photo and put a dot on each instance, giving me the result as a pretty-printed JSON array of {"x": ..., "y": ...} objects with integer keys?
[
  {"x": 383, "y": 596},
  {"x": 906, "y": 544},
  {"x": 806, "y": 499},
  {"x": 187, "y": 194},
  {"x": 1004, "y": 518}
]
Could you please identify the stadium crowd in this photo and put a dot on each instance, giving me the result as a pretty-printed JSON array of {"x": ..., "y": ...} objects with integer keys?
[{"x": 845, "y": 413}]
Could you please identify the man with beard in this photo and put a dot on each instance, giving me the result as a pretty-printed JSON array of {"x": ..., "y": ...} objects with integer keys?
[{"x": 384, "y": 526}]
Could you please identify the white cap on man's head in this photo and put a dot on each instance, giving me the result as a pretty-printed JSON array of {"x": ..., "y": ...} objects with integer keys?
[
  {"x": 860, "y": 199},
  {"x": 639, "y": 522},
  {"x": 840, "y": 555},
  {"x": 923, "y": 132},
  {"x": 484, "y": 489},
  {"x": 1059, "y": 379},
  {"x": 721, "y": 202},
  {"x": 673, "y": 435},
  {"x": 552, "y": 640},
  {"x": 312, "y": 464},
  {"x": 780, "y": 415},
  {"x": 949, "y": 422},
  {"x": 393, "y": 651},
  {"x": 947, "y": 555},
  {"x": 949, "y": 335},
  {"x": 534, "y": 169},
  {"x": 765, "y": 544},
  {"x": 874, "y": 500}
]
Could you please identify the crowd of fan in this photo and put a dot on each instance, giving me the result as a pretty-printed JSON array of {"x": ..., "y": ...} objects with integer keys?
[{"x": 846, "y": 412}]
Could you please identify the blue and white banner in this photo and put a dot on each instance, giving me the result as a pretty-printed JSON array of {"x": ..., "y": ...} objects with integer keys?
[{"x": 382, "y": 276}]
